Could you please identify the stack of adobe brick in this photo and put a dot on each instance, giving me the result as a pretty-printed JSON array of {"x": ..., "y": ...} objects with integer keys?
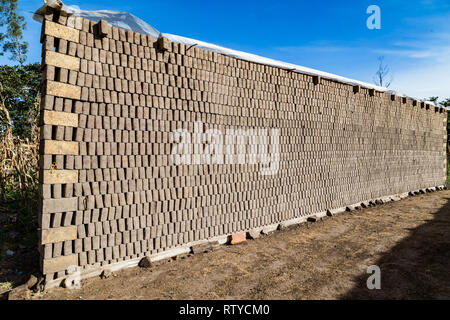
[{"x": 111, "y": 99}]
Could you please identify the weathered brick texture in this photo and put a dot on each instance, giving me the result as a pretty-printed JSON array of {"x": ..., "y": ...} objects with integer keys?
[{"x": 124, "y": 93}]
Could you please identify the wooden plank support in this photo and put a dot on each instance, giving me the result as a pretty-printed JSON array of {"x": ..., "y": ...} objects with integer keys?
[
  {"x": 59, "y": 205},
  {"x": 61, "y": 32},
  {"x": 60, "y": 176},
  {"x": 63, "y": 90},
  {"x": 59, "y": 264},
  {"x": 58, "y": 234},
  {"x": 57, "y": 118},
  {"x": 60, "y": 147},
  {"x": 62, "y": 60}
]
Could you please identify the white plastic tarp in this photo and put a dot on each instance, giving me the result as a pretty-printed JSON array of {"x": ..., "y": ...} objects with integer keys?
[
  {"x": 128, "y": 21},
  {"x": 117, "y": 19}
]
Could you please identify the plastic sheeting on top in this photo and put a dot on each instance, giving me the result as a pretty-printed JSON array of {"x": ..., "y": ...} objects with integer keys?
[
  {"x": 128, "y": 21},
  {"x": 117, "y": 19}
]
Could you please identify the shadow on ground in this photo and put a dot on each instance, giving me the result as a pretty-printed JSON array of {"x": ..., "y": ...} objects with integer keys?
[{"x": 416, "y": 268}]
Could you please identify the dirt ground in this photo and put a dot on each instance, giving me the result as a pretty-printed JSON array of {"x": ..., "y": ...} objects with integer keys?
[{"x": 409, "y": 240}]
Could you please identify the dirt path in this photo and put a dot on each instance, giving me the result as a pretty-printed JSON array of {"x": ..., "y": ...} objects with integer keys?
[{"x": 409, "y": 240}]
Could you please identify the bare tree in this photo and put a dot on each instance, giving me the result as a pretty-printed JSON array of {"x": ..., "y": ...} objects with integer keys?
[{"x": 382, "y": 77}]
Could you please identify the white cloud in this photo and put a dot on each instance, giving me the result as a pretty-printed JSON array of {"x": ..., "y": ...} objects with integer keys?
[
  {"x": 425, "y": 81},
  {"x": 433, "y": 53},
  {"x": 426, "y": 71}
]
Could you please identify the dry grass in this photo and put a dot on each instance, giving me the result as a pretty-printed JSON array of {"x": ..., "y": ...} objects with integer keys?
[
  {"x": 18, "y": 197},
  {"x": 18, "y": 158}
]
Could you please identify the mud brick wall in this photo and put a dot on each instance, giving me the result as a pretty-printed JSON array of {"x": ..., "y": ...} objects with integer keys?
[{"x": 109, "y": 191}]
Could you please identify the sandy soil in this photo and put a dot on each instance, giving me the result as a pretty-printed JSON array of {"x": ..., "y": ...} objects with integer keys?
[{"x": 409, "y": 240}]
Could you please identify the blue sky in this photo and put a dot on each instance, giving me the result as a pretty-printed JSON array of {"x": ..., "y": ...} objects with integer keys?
[{"x": 326, "y": 35}]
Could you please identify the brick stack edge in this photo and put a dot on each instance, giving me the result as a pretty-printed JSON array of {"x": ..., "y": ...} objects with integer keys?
[{"x": 109, "y": 191}]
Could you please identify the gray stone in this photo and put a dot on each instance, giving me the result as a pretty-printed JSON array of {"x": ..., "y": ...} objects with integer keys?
[
  {"x": 106, "y": 274},
  {"x": 145, "y": 262},
  {"x": 254, "y": 234}
]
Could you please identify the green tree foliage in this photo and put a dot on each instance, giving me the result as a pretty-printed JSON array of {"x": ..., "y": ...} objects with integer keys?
[
  {"x": 446, "y": 102},
  {"x": 19, "y": 88},
  {"x": 433, "y": 99},
  {"x": 19, "y": 85},
  {"x": 12, "y": 26}
]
